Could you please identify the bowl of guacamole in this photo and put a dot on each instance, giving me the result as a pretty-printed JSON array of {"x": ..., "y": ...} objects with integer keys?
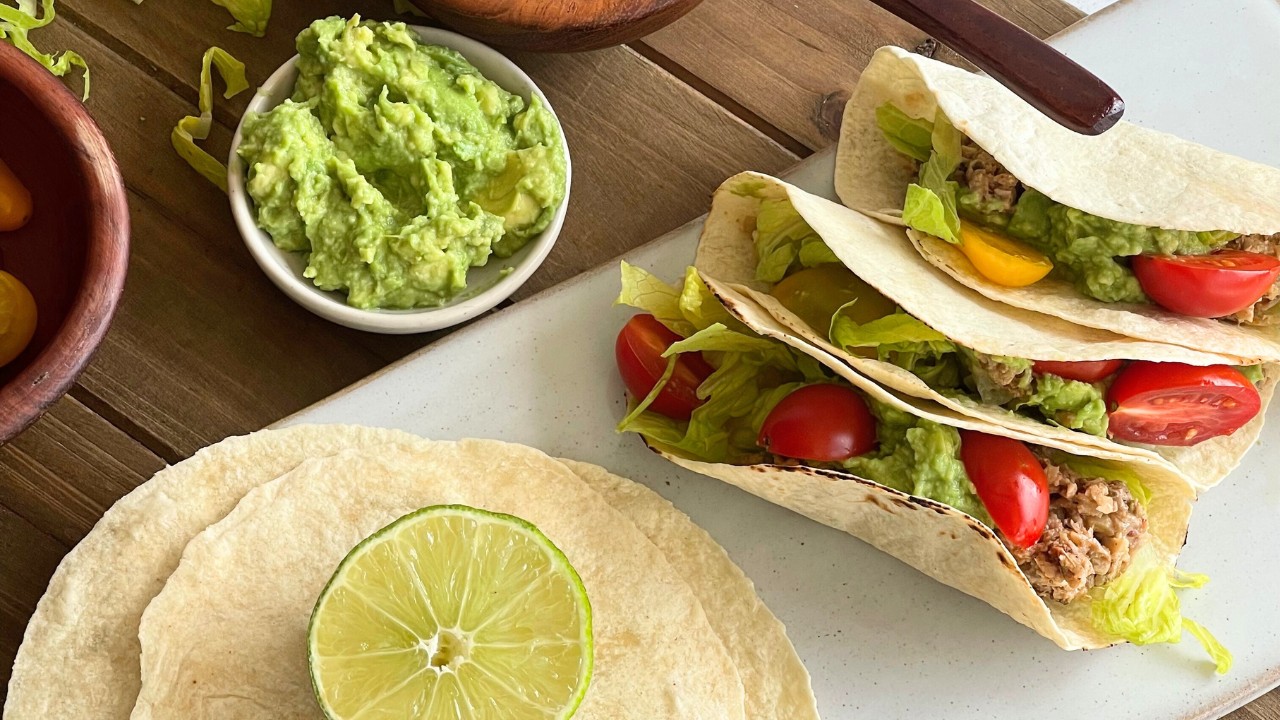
[{"x": 398, "y": 179}]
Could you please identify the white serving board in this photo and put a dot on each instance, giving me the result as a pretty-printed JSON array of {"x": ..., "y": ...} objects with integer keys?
[{"x": 880, "y": 639}]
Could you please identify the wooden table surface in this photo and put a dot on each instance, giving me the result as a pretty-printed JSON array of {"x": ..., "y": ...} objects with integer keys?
[{"x": 204, "y": 346}]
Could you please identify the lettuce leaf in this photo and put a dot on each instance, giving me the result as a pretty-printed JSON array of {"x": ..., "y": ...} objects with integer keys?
[
  {"x": 251, "y": 15},
  {"x": 17, "y": 22},
  {"x": 784, "y": 240},
  {"x": 1142, "y": 607},
  {"x": 910, "y": 136},
  {"x": 904, "y": 341},
  {"x": 684, "y": 311},
  {"x": 930, "y": 205},
  {"x": 191, "y": 128}
]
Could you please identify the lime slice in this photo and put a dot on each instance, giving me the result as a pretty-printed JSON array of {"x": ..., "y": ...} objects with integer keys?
[{"x": 452, "y": 612}]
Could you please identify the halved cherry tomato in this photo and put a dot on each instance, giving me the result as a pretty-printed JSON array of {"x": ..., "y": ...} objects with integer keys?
[
  {"x": 1210, "y": 286},
  {"x": 1011, "y": 484},
  {"x": 1176, "y": 404},
  {"x": 815, "y": 294},
  {"x": 1002, "y": 260},
  {"x": 1085, "y": 371},
  {"x": 823, "y": 423},
  {"x": 638, "y": 351}
]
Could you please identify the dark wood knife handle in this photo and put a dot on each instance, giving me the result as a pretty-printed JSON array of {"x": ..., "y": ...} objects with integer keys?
[{"x": 1050, "y": 81}]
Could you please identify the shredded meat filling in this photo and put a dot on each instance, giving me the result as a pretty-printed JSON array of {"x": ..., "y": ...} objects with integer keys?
[
  {"x": 996, "y": 187},
  {"x": 1260, "y": 313},
  {"x": 1095, "y": 527}
]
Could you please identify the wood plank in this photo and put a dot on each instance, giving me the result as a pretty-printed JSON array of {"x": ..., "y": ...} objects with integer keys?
[
  {"x": 63, "y": 473},
  {"x": 793, "y": 64}
]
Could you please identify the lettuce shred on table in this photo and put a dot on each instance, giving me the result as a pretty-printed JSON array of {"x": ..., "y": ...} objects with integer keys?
[
  {"x": 192, "y": 128},
  {"x": 1142, "y": 607},
  {"x": 17, "y": 22},
  {"x": 251, "y": 15}
]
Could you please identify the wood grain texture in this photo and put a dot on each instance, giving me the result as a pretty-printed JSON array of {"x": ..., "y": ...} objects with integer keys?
[
  {"x": 556, "y": 25},
  {"x": 794, "y": 63}
]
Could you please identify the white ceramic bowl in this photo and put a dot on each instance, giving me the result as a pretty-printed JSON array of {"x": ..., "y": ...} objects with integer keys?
[{"x": 486, "y": 286}]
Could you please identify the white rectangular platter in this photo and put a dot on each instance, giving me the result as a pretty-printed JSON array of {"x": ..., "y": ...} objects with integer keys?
[{"x": 880, "y": 639}]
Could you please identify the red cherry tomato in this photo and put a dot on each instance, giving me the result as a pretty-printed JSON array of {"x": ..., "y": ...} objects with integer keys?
[
  {"x": 1176, "y": 404},
  {"x": 1087, "y": 371},
  {"x": 823, "y": 423},
  {"x": 1011, "y": 484},
  {"x": 638, "y": 351},
  {"x": 1210, "y": 286}
]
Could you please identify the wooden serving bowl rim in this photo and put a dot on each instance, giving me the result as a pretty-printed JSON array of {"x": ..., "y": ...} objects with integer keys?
[{"x": 48, "y": 376}]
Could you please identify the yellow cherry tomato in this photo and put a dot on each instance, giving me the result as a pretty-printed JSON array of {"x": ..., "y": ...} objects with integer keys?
[
  {"x": 1003, "y": 260},
  {"x": 17, "y": 317},
  {"x": 15, "y": 200}
]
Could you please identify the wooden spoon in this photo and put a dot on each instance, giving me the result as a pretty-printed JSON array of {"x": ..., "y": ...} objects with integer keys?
[{"x": 556, "y": 25}]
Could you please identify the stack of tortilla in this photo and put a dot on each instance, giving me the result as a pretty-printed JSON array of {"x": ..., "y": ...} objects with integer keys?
[{"x": 191, "y": 597}]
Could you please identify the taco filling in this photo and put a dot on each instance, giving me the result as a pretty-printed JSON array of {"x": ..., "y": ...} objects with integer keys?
[
  {"x": 1164, "y": 403},
  {"x": 704, "y": 386},
  {"x": 1016, "y": 235}
]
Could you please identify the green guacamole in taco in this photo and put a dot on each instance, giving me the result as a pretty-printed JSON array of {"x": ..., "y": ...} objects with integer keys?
[
  {"x": 1079, "y": 545},
  {"x": 1133, "y": 231}
]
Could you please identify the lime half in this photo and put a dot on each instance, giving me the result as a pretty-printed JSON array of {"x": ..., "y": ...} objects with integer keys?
[{"x": 452, "y": 612}]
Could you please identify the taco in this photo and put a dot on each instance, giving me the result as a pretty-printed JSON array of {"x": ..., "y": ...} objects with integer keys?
[
  {"x": 1133, "y": 231},
  {"x": 855, "y": 288},
  {"x": 1079, "y": 545}
]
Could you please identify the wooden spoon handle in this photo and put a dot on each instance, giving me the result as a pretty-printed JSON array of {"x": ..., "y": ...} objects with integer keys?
[{"x": 1050, "y": 81}]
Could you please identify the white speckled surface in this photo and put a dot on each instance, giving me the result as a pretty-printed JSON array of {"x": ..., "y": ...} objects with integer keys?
[{"x": 880, "y": 639}]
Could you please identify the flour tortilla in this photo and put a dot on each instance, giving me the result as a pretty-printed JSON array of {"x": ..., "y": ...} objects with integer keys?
[
  {"x": 1129, "y": 174},
  {"x": 775, "y": 681},
  {"x": 882, "y": 256},
  {"x": 80, "y": 658},
  {"x": 938, "y": 540},
  {"x": 226, "y": 637}
]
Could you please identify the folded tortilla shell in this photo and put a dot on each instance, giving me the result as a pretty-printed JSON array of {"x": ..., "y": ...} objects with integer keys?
[
  {"x": 226, "y": 637},
  {"x": 881, "y": 255},
  {"x": 940, "y": 541},
  {"x": 1129, "y": 174}
]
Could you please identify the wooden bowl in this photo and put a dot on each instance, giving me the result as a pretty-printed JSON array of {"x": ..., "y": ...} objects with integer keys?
[
  {"x": 556, "y": 25},
  {"x": 73, "y": 253}
]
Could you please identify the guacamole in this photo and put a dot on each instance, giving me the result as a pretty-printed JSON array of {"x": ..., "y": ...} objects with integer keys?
[
  {"x": 1087, "y": 249},
  {"x": 919, "y": 457},
  {"x": 396, "y": 166}
]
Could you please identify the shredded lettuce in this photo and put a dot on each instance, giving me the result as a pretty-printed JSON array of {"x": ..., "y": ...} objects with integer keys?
[
  {"x": 910, "y": 136},
  {"x": 404, "y": 7},
  {"x": 931, "y": 205},
  {"x": 17, "y": 22},
  {"x": 1142, "y": 607},
  {"x": 251, "y": 15},
  {"x": 191, "y": 128},
  {"x": 784, "y": 241},
  {"x": 904, "y": 341}
]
